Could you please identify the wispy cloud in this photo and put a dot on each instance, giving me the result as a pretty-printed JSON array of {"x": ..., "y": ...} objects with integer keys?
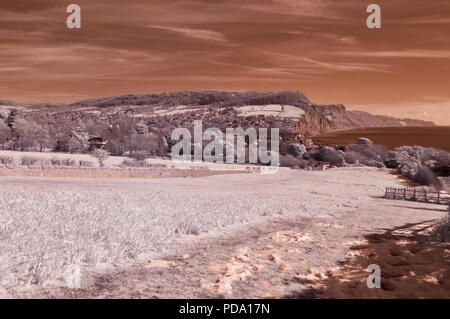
[
  {"x": 199, "y": 34},
  {"x": 315, "y": 66},
  {"x": 431, "y": 54},
  {"x": 339, "y": 38},
  {"x": 435, "y": 19},
  {"x": 316, "y": 8},
  {"x": 349, "y": 66}
]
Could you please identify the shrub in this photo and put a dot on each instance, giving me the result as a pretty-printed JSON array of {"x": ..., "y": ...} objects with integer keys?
[
  {"x": 296, "y": 149},
  {"x": 157, "y": 165},
  {"x": 425, "y": 176},
  {"x": 130, "y": 163},
  {"x": 55, "y": 161},
  {"x": 135, "y": 163},
  {"x": 442, "y": 231},
  {"x": 44, "y": 163},
  {"x": 291, "y": 161},
  {"x": 85, "y": 163},
  {"x": 352, "y": 157},
  {"x": 138, "y": 156},
  {"x": 101, "y": 156},
  {"x": 7, "y": 161},
  {"x": 437, "y": 160},
  {"x": 369, "y": 151},
  {"x": 329, "y": 155},
  {"x": 67, "y": 162},
  {"x": 29, "y": 161}
]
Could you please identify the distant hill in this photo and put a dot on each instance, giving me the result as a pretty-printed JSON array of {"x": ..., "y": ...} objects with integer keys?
[
  {"x": 120, "y": 118},
  {"x": 313, "y": 118}
]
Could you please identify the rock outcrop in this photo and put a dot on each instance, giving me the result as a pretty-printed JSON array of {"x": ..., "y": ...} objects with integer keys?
[{"x": 320, "y": 119}]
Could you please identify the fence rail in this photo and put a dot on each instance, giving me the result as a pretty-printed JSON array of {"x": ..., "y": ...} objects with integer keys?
[{"x": 417, "y": 195}]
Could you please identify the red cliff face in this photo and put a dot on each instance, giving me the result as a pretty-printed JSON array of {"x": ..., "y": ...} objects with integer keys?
[
  {"x": 316, "y": 120},
  {"x": 327, "y": 118}
]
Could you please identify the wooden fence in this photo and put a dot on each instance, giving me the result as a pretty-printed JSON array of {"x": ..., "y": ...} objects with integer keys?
[{"x": 417, "y": 195}]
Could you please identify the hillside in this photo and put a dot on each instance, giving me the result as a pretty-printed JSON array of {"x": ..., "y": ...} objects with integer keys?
[{"x": 130, "y": 121}]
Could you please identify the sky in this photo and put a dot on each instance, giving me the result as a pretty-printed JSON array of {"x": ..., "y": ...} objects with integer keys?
[{"x": 322, "y": 48}]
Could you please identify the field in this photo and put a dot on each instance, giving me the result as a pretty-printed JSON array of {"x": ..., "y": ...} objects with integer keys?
[
  {"x": 62, "y": 165},
  {"x": 238, "y": 235},
  {"x": 391, "y": 137}
]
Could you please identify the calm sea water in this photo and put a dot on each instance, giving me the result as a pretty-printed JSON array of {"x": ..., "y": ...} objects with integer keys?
[{"x": 392, "y": 137}]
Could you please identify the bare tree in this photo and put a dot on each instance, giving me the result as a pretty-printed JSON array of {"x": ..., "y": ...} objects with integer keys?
[
  {"x": 101, "y": 156},
  {"x": 5, "y": 134}
]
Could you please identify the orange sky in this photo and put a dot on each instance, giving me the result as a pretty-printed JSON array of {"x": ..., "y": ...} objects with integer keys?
[{"x": 319, "y": 47}]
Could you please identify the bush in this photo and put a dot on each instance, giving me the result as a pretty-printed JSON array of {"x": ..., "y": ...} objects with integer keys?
[
  {"x": 352, "y": 157},
  {"x": 442, "y": 231},
  {"x": 369, "y": 151},
  {"x": 101, "y": 156},
  {"x": 44, "y": 163},
  {"x": 7, "y": 161},
  {"x": 55, "y": 161},
  {"x": 29, "y": 161},
  {"x": 68, "y": 162},
  {"x": 364, "y": 152},
  {"x": 435, "y": 159},
  {"x": 157, "y": 165},
  {"x": 135, "y": 163},
  {"x": 329, "y": 155},
  {"x": 138, "y": 156},
  {"x": 62, "y": 162},
  {"x": 291, "y": 161},
  {"x": 425, "y": 176},
  {"x": 296, "y": 149},
  {"x": 85, "y": 163},
  {"x": 420, "y": 164}
]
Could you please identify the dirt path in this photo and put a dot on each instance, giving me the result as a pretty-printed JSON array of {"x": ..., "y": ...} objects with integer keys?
[{"x": 411, "y": 266}]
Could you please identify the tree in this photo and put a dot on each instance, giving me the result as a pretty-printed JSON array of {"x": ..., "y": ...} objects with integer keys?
[
  {"x": 101, "y": 156},
  {"x": 5, "y": 134},
  {"x": 26, "y": 134}
]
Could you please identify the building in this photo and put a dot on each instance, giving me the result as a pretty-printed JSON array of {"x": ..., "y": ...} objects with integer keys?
[{"x": 97, "y": 142}]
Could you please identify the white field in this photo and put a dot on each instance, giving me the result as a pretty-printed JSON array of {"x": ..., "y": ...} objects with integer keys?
[
  {"x": 249, "y": 110},
  {"x": 51, "y": 226},
  {"x": 272, "y": 109}
]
